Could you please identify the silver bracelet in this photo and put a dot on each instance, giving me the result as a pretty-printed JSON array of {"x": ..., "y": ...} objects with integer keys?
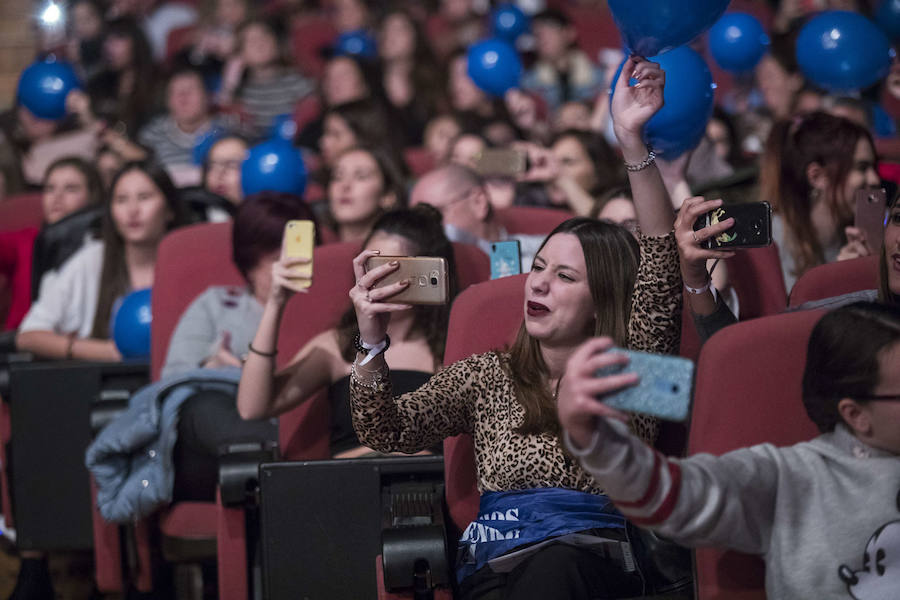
[
  {"x": 380, "y": 378},
  {"x": 635, "y": 167}
]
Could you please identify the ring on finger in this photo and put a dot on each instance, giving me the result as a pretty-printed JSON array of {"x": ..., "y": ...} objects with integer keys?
[
  {"x": 694, "y": 235},
  {"x": 368, "y": 295}
]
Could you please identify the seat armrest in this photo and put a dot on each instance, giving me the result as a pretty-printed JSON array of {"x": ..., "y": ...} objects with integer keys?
[{"x": 239, "y": 471}]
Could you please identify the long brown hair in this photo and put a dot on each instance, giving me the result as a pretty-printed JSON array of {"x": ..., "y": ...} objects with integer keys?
[
  {"x": 792, "y": 146},
  {"x": 114, "y": 278},
  {"x": 611, "y": 256},
  {"x": 421, "y": 225}
]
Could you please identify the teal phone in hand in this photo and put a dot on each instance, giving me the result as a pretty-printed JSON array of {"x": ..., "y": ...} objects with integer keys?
[{"x": 664, "y": 389}]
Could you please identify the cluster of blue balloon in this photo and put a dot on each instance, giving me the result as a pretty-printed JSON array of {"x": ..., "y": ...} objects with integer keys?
[
  {"x": 131, "y": 325},
  {"x": 738, "y": 42},
  {"x": 356, "y": 43},
  {"x": 493, "y": 64},
  {"x": 44, "y": 86}
]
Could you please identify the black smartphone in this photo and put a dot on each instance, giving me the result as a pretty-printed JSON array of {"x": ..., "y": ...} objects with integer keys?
[{"x": 752, "y": 226}]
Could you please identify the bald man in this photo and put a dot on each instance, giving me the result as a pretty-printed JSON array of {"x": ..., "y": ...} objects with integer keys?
[{"x": 462, "y": 199}]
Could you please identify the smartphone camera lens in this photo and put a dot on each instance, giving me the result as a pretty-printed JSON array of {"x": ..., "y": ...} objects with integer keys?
[{"x": 434, "y": 281}]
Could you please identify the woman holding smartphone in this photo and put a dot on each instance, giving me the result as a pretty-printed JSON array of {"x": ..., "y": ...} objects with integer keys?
[
  {"x": 325, "y": 361},
  {"x": 589, "y": 278}
]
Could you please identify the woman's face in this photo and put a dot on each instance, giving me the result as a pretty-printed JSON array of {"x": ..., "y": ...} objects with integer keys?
[
  {"x": 86, "y": 22},
  {"x": 397, "y": 38},
  {"x": 260, "y": 276},
  {"x": 259, "y": 46},
  {"x": 337, "y": 137},
  {"x": 552, "y": 40},
  {"x": 349, "y": 15},
  {"x": 118, "y": 51},
  {"x": 231, "y": 13},
  {"x": 465, "y": 149},
  {"x": 439, "y": 134},
  {"x": 356, "y": 190},
  {"x": 620, "y": 211},
  {"x": 778, "y": 87},
  {"x": 464, "y": 94},
  {"x": 186, "y": 99},
  {"x": 718, "y": 134},
  {"x": 862, "y": 176},
  {"x": 575, "y": 162},
  {"x": 65, "y": 192},
  {"x": 559, "y": 309},
  {"x": 343, "y": 82},
  {"x": 892, "y": 249},
  {"x": 108, "y": 164},
  {"x": 223, "y": 173},
  {"x": 572, "y": 115},
  {"x": 139, "y": 209}
]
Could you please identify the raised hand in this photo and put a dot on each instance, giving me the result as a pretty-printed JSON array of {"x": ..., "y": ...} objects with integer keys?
[
  {"x": 633, "y": 106},
  {"x": 285, "y": 281},
  {"x": 693, "y": 255},
  {"x": 372, "y": 313}
]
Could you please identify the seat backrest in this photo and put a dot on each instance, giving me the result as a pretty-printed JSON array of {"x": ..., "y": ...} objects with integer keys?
[
  {"x": 419, "y": 160},
  {"x": 835, "y": 279},
  {"x": 309, "y": 36},
  {"x": 496, "y": 306},
  {"x": 757, "y": 278},
  {"x": 472, "y": 265},
  {"x": 748, "y": 391},
  {"x": 20, "y": 211},
  {"x": 531, "y": 219},
  {"x": 177, "y": 280}
]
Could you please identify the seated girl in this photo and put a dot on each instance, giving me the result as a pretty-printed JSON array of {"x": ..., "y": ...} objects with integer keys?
[{"x": 71, "y": 318}]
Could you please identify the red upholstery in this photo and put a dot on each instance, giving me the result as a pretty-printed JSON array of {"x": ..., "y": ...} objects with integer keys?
[
  {"x": 189, "y": 520},
  {"x": 21, "y": 211},
  {"x": 756, "y": 276},
  {"x": 179, "y": 39},
  {"x": 306, "y": 111},
  {"x": 472, "y": 265},
  {"x": 419, "y": 160},
  {"x": 532, "y": 220},
  {"x": 178, "y": 281},
  {"x": 743, "y": 402},
  {"x": 594, "y": 29},
  {"x": 309, "y": 36},
  {"x": 497, "y": 305},
  {"x": 835, "y": 279}
]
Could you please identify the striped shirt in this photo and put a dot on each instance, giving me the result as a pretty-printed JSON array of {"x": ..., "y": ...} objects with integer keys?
[
  {"x": 170, "y": 145},
  {"x": 264, "y": 101}
]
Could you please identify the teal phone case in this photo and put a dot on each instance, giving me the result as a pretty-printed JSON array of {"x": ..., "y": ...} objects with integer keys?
[
  {"x": 665, "y": 386},
  {"x": 505, "y": 259}
]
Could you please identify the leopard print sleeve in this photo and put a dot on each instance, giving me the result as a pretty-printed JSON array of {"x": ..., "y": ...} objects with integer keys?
[
  {"x": 420, "y": 419},
  {"x": 655, "y": 324}
]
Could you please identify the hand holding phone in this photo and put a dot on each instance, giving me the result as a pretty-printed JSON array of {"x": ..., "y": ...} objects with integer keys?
[
  {"x": 752, "y": 226},
  {"x": 869, "y": 216},
  {"x": 501, "y": 162},
  {"x": 664, "y": 389},
  {"x": 297, "y": 243},
  {"x": 427, "y": 277}
]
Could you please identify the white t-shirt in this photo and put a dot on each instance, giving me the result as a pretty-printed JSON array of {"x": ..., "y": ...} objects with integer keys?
[{"x": 67, "y": 302}]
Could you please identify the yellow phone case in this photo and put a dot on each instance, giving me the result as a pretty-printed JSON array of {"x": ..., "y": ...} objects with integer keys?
[{"x": 299, "y": 239}]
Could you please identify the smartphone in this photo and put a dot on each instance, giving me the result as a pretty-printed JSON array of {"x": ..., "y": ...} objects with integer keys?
[
  {"x": 298, "y": 241},
  {"x": 506, "y": 259},
  {"x": 664, "y": 390},
  {"x": 501, "y": 162},
  {"x": 871, "y": 210},
  {"x": 427, "y": 276},
  {"x": 752, "y": 226}
]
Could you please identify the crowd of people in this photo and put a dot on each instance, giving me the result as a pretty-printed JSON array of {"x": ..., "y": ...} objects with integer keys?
[{"x": 395, "y": 137}]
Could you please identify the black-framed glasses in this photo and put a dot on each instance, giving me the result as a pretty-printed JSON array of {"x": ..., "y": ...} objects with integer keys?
[{"x": 883, "y": 398}]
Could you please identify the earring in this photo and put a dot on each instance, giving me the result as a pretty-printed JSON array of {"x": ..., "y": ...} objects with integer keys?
[{"x": 815, "y": 194}]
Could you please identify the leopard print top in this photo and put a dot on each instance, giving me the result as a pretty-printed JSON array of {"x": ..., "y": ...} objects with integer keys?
[{"x": 476, "y": 396}]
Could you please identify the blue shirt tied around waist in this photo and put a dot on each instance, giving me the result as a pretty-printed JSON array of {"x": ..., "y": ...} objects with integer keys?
[{"x": 508, "y": 520}]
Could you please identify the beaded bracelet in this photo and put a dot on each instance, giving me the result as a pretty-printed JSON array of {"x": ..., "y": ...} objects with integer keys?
[{"x": 634, "y": 167}]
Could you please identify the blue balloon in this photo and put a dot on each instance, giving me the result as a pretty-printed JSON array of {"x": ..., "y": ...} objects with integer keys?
[
  {"x": 357, "y": 43},
  {"x": 843, "y": 51},
  {"x": 888, "y": 18},
  {"x": 681, "y": 123},
  {"x": 273, "y": 166},
  {"x": 650, "y": 27},
  {"x": 737, "y": 42},
  {"x": 131, "y": 325},
  {"x": 509, "y": 22},
  {"x": 43, "y": 87},
  {"x": 283, "y": 128},
  {"x": 494, "y": 66},
  {"x": 204, "y": 142}
]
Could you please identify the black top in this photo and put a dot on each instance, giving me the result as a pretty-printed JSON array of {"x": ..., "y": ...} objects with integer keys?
[{"x": 343, "y": 437}]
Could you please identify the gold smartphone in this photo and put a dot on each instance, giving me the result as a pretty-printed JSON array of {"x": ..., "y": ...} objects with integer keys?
[
  {"x": 427, "y": 276},
  {"x": 501, "y": 162},
  {"x": 298, "y": 241}
]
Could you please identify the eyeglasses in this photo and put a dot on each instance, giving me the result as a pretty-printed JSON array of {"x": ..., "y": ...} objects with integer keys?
[{"x": 883, "y": 398}]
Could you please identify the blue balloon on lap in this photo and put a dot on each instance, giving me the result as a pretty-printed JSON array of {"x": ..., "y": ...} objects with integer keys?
[
  {"x": 650, "y": 27},
  {"x": 494, "y": 66},
  {"x": 509, "y": 22},
  {"x": 689, "y": 93},
  {"x": 131, "y": 325},
  {"x": 737, "y": 42},
  {"x": 273, "y": 166},
  {"x": 357, "y": 43},
  {"x": 843, "y": 51},
  {"x": 43, "y": 87},
  {"x": 888, "y": 18}
]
